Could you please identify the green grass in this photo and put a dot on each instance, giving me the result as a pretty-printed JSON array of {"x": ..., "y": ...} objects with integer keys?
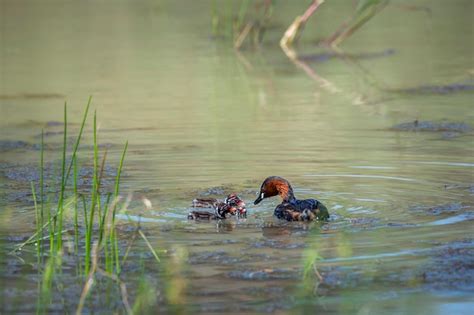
[{"x": 93, "y": 220}]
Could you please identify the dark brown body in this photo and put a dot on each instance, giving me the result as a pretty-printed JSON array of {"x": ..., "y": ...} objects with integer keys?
[{"x": 291, "y": 209}]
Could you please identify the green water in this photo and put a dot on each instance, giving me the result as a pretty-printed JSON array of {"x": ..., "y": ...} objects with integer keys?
[{"x": 199, "y": 115}]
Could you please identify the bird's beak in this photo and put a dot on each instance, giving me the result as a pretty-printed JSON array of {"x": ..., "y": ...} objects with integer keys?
[{"x": 259, "y": 198}]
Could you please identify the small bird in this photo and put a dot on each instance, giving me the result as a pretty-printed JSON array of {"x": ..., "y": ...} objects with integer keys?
[
  {"x": 291, "y": 209},
  {"x": 232, "y": 205}
]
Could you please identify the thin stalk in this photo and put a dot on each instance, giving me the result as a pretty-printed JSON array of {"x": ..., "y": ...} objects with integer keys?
[
  {"x": 113, "y": 234},
  {"x": 84, "y": 204},
  {"x": 30, "y": 240},
  {"x": 76, "y": 220},
  {"x": 117, "y": 178},
  {"x": 149, "y": 246},
  {"x": 129, "y": 247},
  {"x": 41, "y": 183},
  {"x": 38, "y": 223},
  {"x": 63, "y": 183},
  {"x": 93, "y": 200},
  {"x": 103, "y": 220},
  {"x": 99, "y": 201},
  {"x": 116, "y": 250},
  {"x": 47, "y": 280},
  {"x": 103, "y": 234},
  {"x": 79, "y": 136}
]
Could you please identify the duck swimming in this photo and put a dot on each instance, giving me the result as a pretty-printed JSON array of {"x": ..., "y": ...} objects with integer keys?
[
  {"x": 232, "y": 205},
  {"x": 291, "y": 209}
]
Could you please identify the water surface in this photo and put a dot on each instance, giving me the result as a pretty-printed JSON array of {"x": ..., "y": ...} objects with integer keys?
[{"x": 203, "y": 119}]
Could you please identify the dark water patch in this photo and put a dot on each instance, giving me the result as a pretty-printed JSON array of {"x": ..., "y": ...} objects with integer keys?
[
  {"x": 17, "y": 186},
  {"x": 431, "y": 126},
  {"x": 277, "y": 244},
  {"x": 448, "y": 208},
  {"x": 354, "y": 224},
  {"x": 221, "y": 257},
  {"x": 11, "y": 145},
  {"x": 438, "y": 89},
  {"x": 220, "y": 308},
  {"x": 267, "y": 290},
  {"x": 215, "y": 191},
  {"x": 17, "y": 238},
  {"x": 452, "y": 267},
  {"x": 465, "y": 187},
  {"x": 326, "y": 56},
  {"x": 338, "y": 277},
  {"x": 31, "y": 96},
  {"x": 265, "y": 274},
  {"x": 400, "y": 225},
  {"x": 223, "y": 242},
  {"x": 7, "y": 145},
  {"x": 49, "y": 133},
  {"x": 214, "y": 257},
  {"x": 31, "y": 173}
]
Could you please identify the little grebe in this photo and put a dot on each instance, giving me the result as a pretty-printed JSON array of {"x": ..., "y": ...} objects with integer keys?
[
  {"x": 231, "y": 205},
  {"x": 291, "y": 209}
]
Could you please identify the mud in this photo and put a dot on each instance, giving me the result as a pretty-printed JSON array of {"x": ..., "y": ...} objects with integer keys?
[
  {"x": 432, "y": 126},
  {"x": 448, "y": 208},
  {"x": 17, "y": 187},
  {"x": 452, "y": 266},
  {"x": 7, "y": 145}
]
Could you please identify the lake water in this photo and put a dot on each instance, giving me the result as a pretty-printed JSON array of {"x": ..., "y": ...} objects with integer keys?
[{"x": 202, "y": 119}]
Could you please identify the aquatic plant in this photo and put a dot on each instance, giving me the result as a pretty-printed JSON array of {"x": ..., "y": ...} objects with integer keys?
[
  {"x": 93, "y": 220},
  {"x": 364, "y": 11},
  {"x": 241, "y": 23}
]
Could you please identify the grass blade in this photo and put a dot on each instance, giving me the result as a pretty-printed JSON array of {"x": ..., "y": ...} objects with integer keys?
[
  {"x": 149, "y": 245},
  {"x": 63, "y": 183},
  {"x": 38, "y": 223},
  {"x": 79, "y": 136}
]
